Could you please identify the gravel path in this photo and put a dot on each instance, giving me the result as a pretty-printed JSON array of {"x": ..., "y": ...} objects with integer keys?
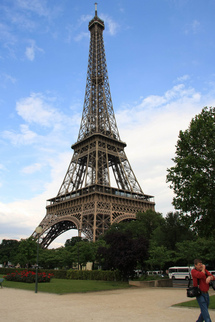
[{"x": 135, "y": 304}]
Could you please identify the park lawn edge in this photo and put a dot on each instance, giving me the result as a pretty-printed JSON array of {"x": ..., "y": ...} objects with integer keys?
[
  {"x": 66, "y": 286},
  {"x": 194, "y": 303}
]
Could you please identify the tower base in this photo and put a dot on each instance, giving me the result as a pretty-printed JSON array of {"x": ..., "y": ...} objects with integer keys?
[{"x": 91, "y": 211}]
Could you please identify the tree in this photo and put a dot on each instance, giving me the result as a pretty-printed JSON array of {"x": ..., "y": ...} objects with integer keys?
[
  {"x": 72, "y": 241},
  {"x": 122, "y": 252},
  {"x": 8, "y": 251},
  {"x": 148, "y": 221},
  {"x": 201, "y": 248},
  {"x": 27, "y": 252},
  {"x": 158, "y": 256},
  {"x": 144, "y": 225},
  {"x": 83, "y": 252},
  {"x": 172, "y": 231},
  {"x": 193, "y": 175}
]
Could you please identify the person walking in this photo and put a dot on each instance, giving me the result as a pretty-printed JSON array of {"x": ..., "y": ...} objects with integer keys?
[{"x": 202, "y": 278}]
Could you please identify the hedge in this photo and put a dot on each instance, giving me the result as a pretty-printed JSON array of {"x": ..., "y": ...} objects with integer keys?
[
  {"x": 71, "y": 274},
  {"x": 57, "y": 273},
  {"x": 94, "y": 275}
]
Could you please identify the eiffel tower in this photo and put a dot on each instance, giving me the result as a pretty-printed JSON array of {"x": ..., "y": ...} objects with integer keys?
[{"x": 86, "y": 200}]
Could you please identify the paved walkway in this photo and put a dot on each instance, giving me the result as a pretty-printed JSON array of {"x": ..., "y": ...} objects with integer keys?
[{"x": 135, "y": 304}]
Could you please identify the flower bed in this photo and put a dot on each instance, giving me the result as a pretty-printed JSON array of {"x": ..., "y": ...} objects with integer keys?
[{"x": 28, "y": 277}]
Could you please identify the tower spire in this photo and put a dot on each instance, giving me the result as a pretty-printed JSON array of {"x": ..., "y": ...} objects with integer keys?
[
  {"x": 95, "y": 9},
  {"x": 98, "y": 125}
]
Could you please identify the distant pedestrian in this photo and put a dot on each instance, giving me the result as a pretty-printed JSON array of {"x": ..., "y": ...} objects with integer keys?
[{"x": 202, "y": 278}]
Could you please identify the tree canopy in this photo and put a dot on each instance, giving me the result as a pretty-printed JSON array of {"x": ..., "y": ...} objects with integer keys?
[
  {"x": 192, "y": 177},
  {"x": 122, "y": 252},
  {"x": 151, "y": 242},
  {"x": 8, "y": 250},
  {"x": 27, "y": 252},
  {"x": 173, "y": 230}
]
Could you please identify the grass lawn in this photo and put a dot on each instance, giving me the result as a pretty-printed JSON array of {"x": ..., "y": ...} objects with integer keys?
[
  {"x": 194, "y": 303},
  {"x": 62, "y": 286}
]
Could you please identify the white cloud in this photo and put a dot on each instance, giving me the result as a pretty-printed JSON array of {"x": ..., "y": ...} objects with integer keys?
[
  {"x": 35, "y": 109},
  {"x": 84, "y": 18},
  {"x": 32, "y": 168},
  {"x": 30, "y": 53},
  {"x": 44, "y": 125},
  {"x": 6, "y": 36},
  {"x": 183, "y": 78},
  {"x": 20, "y": 218},
  {"x": 151, "y": 130},
  {"x": 112, "y": 26},
  {"x": 81, "y": 35},
  {"x": 25, "y": 136},
  {"x": 37, "y": 6},
  {"x": 152, "y": 109},
  {"x": 193, "y": 27},
  {"x": 73, "y": 29},
  {"x": 5, "y": 78},
  {"x": 31, "y": 50}
]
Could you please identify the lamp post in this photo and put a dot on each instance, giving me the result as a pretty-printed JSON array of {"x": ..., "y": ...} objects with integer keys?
[{"x": 38, "y": 230}]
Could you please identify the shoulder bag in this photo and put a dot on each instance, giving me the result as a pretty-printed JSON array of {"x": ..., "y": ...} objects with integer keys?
[
  {"x": 212, "y": 284},
  {"x": 193, "y": 291}
]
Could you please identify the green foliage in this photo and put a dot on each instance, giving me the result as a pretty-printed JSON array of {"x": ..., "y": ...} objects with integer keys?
[
  {"x": 27, "y": 252},
  {"x": 144, "y": 225},
  {"x": 149, "y": 221},
  {"x": 150, "y": 242},
  {"x": 58, "y": 273},
  {"x": 192, "y": 177},
  {"x": 70, "y": 274},
  {"x": 84, "y": 252},
  {"x": 122, "y": 252},
  {"x": 172, "y": 230},
  {"x": 158, "y": 256},
  {"x": 72, "y": 241},
  {"x": 150, "y": 228},
  {"x": 56, "y": 258},
  {"x": 8, "y": 250},
  {"x": 200, "y": 248},
  {"x": 94, "y": 275}
]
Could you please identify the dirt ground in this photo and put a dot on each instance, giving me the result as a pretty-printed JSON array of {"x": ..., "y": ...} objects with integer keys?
[{"x": 135, "y": 304}]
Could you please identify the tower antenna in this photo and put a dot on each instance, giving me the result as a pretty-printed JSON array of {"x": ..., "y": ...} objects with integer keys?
[{"x": 96, "y": 8}]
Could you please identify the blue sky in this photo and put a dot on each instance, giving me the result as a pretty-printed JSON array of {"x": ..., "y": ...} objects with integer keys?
[{"x": 160, "y": 59}]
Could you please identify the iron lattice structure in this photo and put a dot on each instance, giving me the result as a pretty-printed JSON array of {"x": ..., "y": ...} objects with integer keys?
[{"x": 86, "y": 199}]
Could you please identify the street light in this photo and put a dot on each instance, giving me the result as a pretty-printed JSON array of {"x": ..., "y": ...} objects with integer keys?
[{"x": 38, "y": 230}]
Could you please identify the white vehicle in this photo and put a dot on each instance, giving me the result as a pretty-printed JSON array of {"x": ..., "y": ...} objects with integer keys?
[
  {"x": 179, "y": 272},
  {"x": 138, "y": 272},
  {"x": 212, "y": 272},
  {"x": 154, "y": 272}
]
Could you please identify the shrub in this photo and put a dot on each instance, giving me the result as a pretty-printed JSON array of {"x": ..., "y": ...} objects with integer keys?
[{"x": 94, "y": 275}]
